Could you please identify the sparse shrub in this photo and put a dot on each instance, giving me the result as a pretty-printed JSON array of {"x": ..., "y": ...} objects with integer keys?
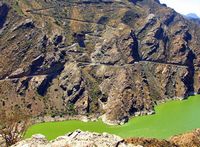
[{"x": 13, "y": 125}]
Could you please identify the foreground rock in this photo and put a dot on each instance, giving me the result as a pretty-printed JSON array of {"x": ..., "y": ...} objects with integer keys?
[
  {"x": 191, "y": 139},
  {"x": 2, "y": 142},
  {"x": 75, "y": 139},
  {"x": 87, "y": 139}
]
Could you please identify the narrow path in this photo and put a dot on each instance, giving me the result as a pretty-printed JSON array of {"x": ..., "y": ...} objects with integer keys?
[
  {"x": 71, "y": 19},
  {"x": 20, "y": 77},
  {"x": 92, "y": 64},
  {"x": 81, "y": 4},
  {"x": 75, "y": 4},
  {"x": 167, "y": 63}
]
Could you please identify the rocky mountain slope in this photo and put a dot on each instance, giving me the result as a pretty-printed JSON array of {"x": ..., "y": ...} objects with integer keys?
[
  {"x": 87, "y": 139},
  {"x": 193, "y": 17},
  {"x": 114, "y": 58}
]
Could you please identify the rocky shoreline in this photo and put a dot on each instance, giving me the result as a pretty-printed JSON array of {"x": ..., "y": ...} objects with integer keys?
[{"x": 103, "y": 117}]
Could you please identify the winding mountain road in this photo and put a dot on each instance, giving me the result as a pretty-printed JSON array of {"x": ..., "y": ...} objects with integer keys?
[{"x": 12, "y": 78}]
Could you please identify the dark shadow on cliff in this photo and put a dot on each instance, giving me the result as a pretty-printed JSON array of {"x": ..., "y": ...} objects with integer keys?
[
  {"x": 46, "y": 83},
  {"x": 189, "y": 78},
  {"x": 135, "y": 47},
  {"x": 4, "y": 9}
]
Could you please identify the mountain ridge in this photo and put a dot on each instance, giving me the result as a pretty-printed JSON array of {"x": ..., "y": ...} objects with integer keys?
[
  {"x": 192, "y": 15},
  {"x": 194, "y": 18}
]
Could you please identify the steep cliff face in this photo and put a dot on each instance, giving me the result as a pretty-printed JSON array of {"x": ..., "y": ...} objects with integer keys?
[{"x": 112, "y": 58}]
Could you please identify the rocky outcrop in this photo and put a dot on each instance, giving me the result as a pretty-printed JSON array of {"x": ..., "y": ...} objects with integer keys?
[
  {"x": 74, "y": 139},
  {"x": 118, "y": 50},
  {"x": 87, "y": 139},
  {"x": 28, "y": 23},
  {"x": 147, "y": 142},
  {"x": 2, "y": 142},
  {"x": 190, "y": 139},
  {"x": 187, "y": 139},
  {"x": 74, "y": 86}
]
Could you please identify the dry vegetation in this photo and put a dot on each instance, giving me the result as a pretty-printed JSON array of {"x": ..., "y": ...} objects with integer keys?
[{"x": 13, "y": 125}]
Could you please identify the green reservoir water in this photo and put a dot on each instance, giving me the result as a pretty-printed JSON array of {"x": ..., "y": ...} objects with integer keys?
[{"x": 171, "y": 118}]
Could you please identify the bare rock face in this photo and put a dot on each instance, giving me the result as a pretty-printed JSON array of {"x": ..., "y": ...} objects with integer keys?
[
  {"x": 118, "y": 50},
  {"x": 147, "y": 142},
  {"x": 190, "y": 139},
  {"x": 35, "y": 141},
  {"x": 113, "y": 59},
  {"x": 2, "y": 142},
  {"x": 74, "y": 88},
  {"x": 74, "y": 139}
]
